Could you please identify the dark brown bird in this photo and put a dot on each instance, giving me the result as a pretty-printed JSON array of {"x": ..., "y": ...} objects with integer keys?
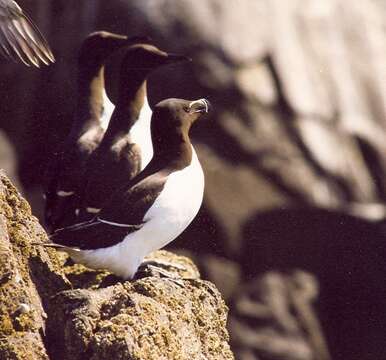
[
  {"x": 65, "y": 171},
  {"x": 20, "y": 38},
  {"x": 127, "y": 141}
]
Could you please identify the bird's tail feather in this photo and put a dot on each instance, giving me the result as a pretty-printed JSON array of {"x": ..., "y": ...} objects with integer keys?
[
  {"x": 74, "y": 227},
  {"x": 56, "y": 246}
]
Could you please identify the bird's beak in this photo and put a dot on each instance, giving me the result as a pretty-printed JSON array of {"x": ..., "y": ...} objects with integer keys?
[
  {"x": 139, "y": 40},
  {"x": 174, "y": 58},
  {"x": 199, "y": 106}
]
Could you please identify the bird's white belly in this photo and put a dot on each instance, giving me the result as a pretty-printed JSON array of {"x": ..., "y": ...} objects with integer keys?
[
  {"x": 140, "y": 134},
  {"x": 176, "y": 206},
  {"x": 108, "y": 108},
  {"x": 167, "y": 218}
]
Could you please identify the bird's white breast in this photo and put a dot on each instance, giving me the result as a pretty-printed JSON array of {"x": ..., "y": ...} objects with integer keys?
[
  {"x": 108, "y": 108},
  {"x": 172, "y": 212},
  {"x": 140, "y": 132},
  {"x": 141, "y": 135},
  {"x": 177, "y": 205}
]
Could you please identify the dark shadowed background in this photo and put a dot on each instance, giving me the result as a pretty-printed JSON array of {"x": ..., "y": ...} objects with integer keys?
[{"x": 294, "y": 154}]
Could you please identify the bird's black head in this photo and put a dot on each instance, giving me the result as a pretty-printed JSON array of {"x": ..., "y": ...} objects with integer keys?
[
  {"x": 99, "y": 45},
  {"x": 138, "y": 62},
  {"x": 172, "y": 120},
  {"x": 147, "y": 57},
  {"x": 179, "y": 112}
]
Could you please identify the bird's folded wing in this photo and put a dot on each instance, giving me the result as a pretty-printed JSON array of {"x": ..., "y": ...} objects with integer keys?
[
  {"x": 130, "y": 205},
  {"x": 51, "y": 172},
  {"x": 50, "y": 185},
  {"x": 61, "y": 185},
  {"x": 123, "y": 214},
  {"x": 20, "y": 38},
  {"x": 92, "y": 235}
]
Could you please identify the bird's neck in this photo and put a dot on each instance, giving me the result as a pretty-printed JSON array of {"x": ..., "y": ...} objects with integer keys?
[
  {"x": 173, "y": 154},
  {"x": 127, "y": 111},
  {"x": 166, "y": 162},
  {"x": 90, "y": 98}
]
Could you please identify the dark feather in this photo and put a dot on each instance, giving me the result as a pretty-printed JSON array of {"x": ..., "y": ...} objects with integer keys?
[
  {"x": 126, "y": 209},
  {"x": 107, "y": 170},
  {"x": 92, "y": 235},
  {"x": 130, "y": 204}
]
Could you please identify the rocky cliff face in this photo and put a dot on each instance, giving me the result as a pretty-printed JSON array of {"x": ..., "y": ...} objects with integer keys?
[
  {"x": 29, "y": 277},
  {"x": 51, "y": 309}
]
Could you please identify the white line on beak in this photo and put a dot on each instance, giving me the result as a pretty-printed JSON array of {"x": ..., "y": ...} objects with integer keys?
[
  {"x": 65, "y": 193},
  {"x": 202, "y": 102},
  {"x": 92, "y": 210}
]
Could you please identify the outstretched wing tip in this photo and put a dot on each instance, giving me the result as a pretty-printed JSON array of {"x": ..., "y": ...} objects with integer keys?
[{"x": 20, "y": 39}]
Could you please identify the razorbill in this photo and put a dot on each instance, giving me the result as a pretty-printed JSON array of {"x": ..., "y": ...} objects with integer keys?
[
  {"x": 140, "y": 132},
  {"x": 65, "y": 170},
  {"x": 20, "y": 38},
  {"x": 127, "y": 141},
  {"x": 152, "y": 209}
]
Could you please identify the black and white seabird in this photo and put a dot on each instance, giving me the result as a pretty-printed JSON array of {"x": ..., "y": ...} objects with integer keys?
[
  {"x": 65, "y": 171},
  {"x": 153, "y": 208},
  {"x": 20, "y": 38},
  {"x": 126, "y": 145}
]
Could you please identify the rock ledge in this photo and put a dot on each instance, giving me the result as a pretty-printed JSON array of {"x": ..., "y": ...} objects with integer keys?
[{"x": 52, "y": 309}]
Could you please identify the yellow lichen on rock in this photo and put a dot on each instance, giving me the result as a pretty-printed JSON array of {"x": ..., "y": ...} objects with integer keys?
[
  {"x": 150, "y": 318},
  {"x": 95, "y": 315},
  {"x": 27, "y": 275}
]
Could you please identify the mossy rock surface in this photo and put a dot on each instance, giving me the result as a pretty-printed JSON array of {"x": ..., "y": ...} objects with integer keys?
[
  {"x": 53, "y": 309},
  {"x": 29, "y": 275},
  {"x": 151, "y": 318}
]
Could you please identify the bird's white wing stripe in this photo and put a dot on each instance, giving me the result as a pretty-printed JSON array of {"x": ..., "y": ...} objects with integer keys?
[
  {"x": 65, "y": 193},
  {"x": 115, "y": 224},
  {"x": 93, "y": 210}
]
